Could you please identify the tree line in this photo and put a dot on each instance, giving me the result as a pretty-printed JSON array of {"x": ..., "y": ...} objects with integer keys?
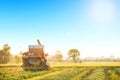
[
  {"x": 5, "y": 54},
  {"x": 7, "y": 57},
  {"x": 73, "y": 56}
]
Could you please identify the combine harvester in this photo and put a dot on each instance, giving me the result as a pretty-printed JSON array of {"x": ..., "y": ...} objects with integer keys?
[{"x": 35, "y": 59}]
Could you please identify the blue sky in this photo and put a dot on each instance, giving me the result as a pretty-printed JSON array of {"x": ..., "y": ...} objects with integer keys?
[{"x": 92, "y": 26}]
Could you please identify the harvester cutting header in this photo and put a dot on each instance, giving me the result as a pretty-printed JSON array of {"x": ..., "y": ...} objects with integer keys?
[{"x": 35, "y": 59}]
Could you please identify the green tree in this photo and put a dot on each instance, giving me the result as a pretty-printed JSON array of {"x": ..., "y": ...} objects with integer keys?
[
  {"x": 73, "y": 53},
  {"x": 58, "y": 56},
  {"x": 5, "y": 54}
]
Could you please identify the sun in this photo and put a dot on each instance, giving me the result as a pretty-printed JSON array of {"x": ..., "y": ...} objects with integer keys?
[{"x": 102, "y": 10}]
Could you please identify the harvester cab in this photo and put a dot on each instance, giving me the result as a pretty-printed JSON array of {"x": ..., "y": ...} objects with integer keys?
[{"x": 35, "y": 58}]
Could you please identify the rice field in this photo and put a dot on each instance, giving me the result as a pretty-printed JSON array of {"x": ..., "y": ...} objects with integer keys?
[{"x": 64, "y": 71}]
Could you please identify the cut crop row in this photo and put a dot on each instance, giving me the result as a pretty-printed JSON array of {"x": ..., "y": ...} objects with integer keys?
[
  {"x": 97, "y": 74},
  {"x": 63, "y": 75},
  {"x": 83, "y": 74},
  {"x": 25, "y": 74}
]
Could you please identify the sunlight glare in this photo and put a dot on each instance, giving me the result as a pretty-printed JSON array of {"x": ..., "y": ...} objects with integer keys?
[{"x": 102, "y": 10}]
